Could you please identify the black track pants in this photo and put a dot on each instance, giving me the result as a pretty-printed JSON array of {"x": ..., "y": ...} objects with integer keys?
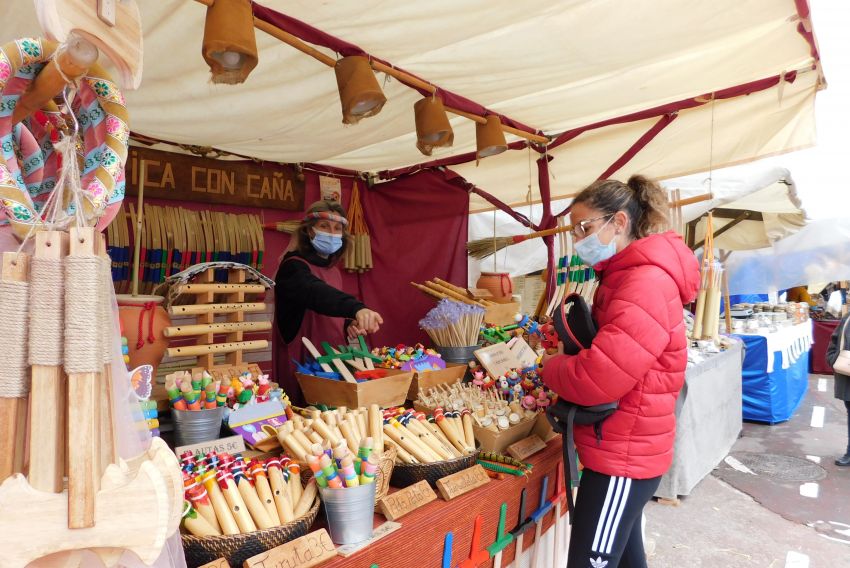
[{"x": 606, "y": 530}]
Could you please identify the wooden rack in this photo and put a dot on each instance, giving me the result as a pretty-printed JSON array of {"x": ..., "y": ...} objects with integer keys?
[{"x": 232, "y": 305}]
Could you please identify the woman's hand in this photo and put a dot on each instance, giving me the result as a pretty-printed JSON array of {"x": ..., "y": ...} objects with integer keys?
[
  {"x": 367, "y": 321},
  {"x": 552, "y": 353},
  {"x": 354, "y": 330}
]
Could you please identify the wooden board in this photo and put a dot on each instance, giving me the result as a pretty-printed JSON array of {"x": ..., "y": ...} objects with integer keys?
[
  {"x": 462, "y": 482},
  {"x": 183, "y": 177},
  {"x": 526, "y": 447},
  {"x": 217, "y": 563},
  {"x": 399, "y": 503},
  {"x": 304, "y": 552}
]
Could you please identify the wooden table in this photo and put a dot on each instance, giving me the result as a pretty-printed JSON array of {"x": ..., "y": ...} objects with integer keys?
[{"x": 419, "y": 542}]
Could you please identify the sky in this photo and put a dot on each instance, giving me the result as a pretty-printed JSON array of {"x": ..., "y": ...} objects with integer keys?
[{"x": 821, "y": 174}]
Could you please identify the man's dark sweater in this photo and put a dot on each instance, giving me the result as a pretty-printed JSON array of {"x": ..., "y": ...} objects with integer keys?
[{"x": 298, "y": 290}]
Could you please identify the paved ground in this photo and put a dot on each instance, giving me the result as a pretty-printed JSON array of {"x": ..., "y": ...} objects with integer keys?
[{"x": 796, "y": 515}]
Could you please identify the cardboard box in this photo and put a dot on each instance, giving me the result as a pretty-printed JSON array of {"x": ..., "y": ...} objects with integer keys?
[
  {"x": 490, "y": 441},
  {"x": 390, "y": 391},
  {"x": 424, "y": 380}
]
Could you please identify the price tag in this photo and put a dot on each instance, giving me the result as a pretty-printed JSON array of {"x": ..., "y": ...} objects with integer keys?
[
  {"x": 399, "y": 503},
  {"x": 304, "y": 552},
  {"x": 462, "y": 482}
]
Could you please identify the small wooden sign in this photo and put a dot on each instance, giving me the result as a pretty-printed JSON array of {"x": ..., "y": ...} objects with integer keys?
[
  {"x": 523, "y": 352},
  {"x": 230, "y": 445},
  {"x": 217, "y": 563},
  {"x": 378, "y": 533},
  {"x": 526, "y": 447},
  {"x": 462, "y": 482},
  {"x": 497, "y": 359},
  {"x": 304, "y": 552},
  {"x": 399, "y": 503},
  {"x": 206, "y": 180}
]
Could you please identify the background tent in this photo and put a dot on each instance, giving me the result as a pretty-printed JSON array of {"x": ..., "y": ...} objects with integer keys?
[{"x": 605, "y": 78}]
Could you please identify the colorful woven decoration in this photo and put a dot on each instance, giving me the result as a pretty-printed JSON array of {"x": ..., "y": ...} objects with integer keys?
[{"x": 28, "y": 161}]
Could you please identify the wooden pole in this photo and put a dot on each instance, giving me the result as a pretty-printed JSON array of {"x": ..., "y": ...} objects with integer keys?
[
  {"x": 137, "y": 245},
  {"x": 72, "y": 62},
  {"x": 402, "y": 76}
]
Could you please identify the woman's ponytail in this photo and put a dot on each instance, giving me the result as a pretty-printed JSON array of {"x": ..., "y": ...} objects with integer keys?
[{"x": 652, "y": 202}]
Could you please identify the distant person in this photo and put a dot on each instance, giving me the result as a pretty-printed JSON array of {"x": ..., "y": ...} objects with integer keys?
[
  {"x": 842, "y": 382},
  {"x": 799, "y": 294}
]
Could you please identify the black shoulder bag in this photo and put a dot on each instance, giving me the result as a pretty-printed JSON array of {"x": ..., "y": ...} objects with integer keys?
[{"x": 576, "y": 329}]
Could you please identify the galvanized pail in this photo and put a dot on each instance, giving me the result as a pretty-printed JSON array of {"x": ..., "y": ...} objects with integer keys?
[
  {"x": 349, "y": 512},
  {"x": 195, "y": 426}
]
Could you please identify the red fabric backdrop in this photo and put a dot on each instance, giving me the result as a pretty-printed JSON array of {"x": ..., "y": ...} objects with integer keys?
[{"x": 418, "y": 226}]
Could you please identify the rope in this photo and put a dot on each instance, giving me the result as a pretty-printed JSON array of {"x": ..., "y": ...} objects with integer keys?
[
  {"x": 47, "y": 312},
  {"x": 106, "y": 316},
  {"x": 14, "y": 304},
  {"x": 82, "y": 300},
  {"x": 146, "y": 307}
]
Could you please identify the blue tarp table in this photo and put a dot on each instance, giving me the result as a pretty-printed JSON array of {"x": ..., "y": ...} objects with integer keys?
[{"x": 775, "y": 373}]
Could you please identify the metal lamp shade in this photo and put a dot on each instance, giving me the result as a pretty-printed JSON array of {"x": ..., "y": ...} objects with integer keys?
[
  {"x": 359, "y": 92},
  {"x": 230, "y": 48},
  {"x": 432, "y": 125},
  {"x": 489, "y": 138}
]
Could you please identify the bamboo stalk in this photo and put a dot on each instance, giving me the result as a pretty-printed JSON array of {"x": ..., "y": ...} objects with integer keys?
[
  {"x": 199, "y": 309},
  {"x": 196, "y": 350},
  {"x": 223, "y": 327},
  {"x": 220, "y": 288}
]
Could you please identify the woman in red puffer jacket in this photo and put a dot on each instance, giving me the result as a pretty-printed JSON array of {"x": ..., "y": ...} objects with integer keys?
[{"x": 638, "y": 358}]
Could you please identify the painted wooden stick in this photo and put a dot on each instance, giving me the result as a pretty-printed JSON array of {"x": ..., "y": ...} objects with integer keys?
[{"x": 315, "y": 353}]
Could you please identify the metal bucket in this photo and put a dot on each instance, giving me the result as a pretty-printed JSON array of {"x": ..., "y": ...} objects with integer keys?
[
  {"x": 349, "y": 512},
  {"x": 195, "y": 426},
  {"x": 462, "y": 355}
]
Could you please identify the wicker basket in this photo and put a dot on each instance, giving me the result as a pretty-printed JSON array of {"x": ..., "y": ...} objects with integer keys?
[
  {"x": 405, "y": 474},
  {"x": 382, "y": 480},
  {"x": 239, "y": 547}
]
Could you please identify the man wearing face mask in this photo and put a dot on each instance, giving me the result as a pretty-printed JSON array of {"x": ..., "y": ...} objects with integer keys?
[
  {"x": 638, "y": 358},
  {"x": 309, "y": 301}
]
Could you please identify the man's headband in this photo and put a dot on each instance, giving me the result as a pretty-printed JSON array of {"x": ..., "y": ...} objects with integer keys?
[{"x": 328, "y": 216}]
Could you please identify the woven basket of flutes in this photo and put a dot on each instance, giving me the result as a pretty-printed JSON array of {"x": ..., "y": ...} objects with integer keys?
[
  {"x": 382, "y": 479},
  {"x": 239, "y": 547},
  {"x": 406, "y": 474}
]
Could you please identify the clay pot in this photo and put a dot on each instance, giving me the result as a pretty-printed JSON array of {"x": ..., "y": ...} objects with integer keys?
[
  {"x": 499, "y": 284},
  {"x": 150, "y": 313}
]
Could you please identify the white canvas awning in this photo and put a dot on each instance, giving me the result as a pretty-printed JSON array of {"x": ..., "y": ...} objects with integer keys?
[{"x": 551, "y": 65}]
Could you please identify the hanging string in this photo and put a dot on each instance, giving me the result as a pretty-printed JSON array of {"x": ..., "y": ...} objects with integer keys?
[{"x": 711, "y": 147}]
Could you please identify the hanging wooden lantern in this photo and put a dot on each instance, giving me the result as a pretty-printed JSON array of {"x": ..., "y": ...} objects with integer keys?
[
  {"x": 230, "y": 48},
  {"x": 359, "y": 92},
  {"x": 489, "y": 138},
  {"x": 432, "y": 125}
]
